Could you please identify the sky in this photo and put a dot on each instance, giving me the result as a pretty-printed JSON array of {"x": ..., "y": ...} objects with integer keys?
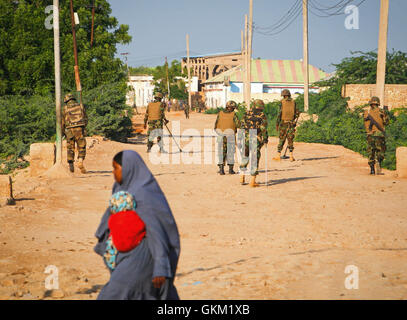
[{"x": 159, "y": 28}]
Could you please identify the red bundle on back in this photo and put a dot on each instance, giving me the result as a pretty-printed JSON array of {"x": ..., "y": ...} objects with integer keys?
[{"x": 127, "y": 230}]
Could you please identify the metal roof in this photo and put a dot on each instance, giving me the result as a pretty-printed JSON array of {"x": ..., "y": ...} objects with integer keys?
[{"x": 272, "y": 71}]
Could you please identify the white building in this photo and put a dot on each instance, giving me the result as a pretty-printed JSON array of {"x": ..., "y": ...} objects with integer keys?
[{"x": 142, "y": 93}]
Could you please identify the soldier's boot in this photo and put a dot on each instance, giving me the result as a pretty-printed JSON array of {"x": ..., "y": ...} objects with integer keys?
[
  {"x": 291, "y": 156},
  {"x": 372, "y": 171},
  {"x": 231, "y": 171},
  {"x": 277, "y": 157},
  {"x": 242, "y": 179},
  {"x": 253, "y": 182},
  {"x": 378, "y": 167},
  {"x": 81, "y": 166},
  {"x": 221, "y": 169},
  {"x": 71, "y": 166}
]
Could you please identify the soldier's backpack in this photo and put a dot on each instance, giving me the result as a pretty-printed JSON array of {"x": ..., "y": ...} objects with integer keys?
[{"x": 75, "y": 116}]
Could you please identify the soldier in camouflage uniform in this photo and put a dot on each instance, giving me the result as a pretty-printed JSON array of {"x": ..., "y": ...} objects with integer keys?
[
  {"x": 286, "y": 123},
  {"x": 74, "y": 121},
  {"x": 155, "y": 117},
  {"x": 254, "y": 119},
  {"x": 226, "y": 125},
  {"x": 375, "y": 121},
  {"x": 186, "y": 110}
]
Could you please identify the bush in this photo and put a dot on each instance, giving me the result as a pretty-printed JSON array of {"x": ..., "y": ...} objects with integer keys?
[
  {"x": 25, "y": 120},
  {"x": 337, "y": 125},
  {"x": 213, "y": 110},
  {"x": 106, "y": 109}
]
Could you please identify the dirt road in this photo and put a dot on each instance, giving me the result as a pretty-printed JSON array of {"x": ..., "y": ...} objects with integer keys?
[{"x": 290, "y": 239}]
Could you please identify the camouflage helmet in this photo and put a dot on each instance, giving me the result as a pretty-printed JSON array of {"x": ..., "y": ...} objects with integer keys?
[
  {"x": 231, "y": 104},
  {"x": 286, "y": 92},
  {"x": 69, "y": 97},
  {"x": 158, "y": 95},
  {"x": 374, "y": 100},
  {"x": 258, "y": 104}
]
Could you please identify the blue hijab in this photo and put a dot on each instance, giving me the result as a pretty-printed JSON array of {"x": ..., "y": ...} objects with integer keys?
[{"x": 152, "y": 207}]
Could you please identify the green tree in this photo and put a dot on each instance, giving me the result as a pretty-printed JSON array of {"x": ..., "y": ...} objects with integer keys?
[
  {"x": 27, "y": 52},
  {"x": 141, "y": 70},
  {"x": 361, "y": 68},
  {"x": 177, "y": 84}
]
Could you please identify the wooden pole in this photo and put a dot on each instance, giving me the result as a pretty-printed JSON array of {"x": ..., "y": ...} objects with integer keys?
[
  {"x": 250, "y": 45},
  {"x": 305, "y": 49},
  {"x": 382, "y": 51},
  {"x": 242, "y": 41},
  {"x": 189, "y": 75},
  {"x": 57, "y": 63},
  {"x": 245, "y": 63},
  {"x": 75, "y": 52},
  {"x": 168, "y": 79}
]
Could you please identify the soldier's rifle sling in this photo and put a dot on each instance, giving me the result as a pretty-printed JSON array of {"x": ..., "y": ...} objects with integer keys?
[{"x": 374, "y": 122}]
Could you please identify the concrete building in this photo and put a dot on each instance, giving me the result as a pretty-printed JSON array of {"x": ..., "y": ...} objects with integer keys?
[
  {"x": 210, "y": 65},
  {"x": 269, "y": 78},
  {"x": 142, "y": 90}
]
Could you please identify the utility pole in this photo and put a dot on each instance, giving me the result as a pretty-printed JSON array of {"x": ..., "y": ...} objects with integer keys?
[
  {"x": 168, "y": 79},
  {"x": 125, "y": 54},
  {"x": 305, "y": 49},
  {"x": 245, "y": 64},
  {"x": 57, "y": 59},
  {"x": 250, "y": 45},
  {"x": 382, "y": 50},
  {"x": 189, "y": 76},
  {"x": 242, "y": 40},
  {"x": 75, "y": 52}
]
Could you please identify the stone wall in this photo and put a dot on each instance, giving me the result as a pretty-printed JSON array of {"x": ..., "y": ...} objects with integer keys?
[{"x": 359, "y": 94}]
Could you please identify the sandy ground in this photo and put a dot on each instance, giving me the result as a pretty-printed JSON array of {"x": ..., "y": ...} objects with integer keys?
[{"x": 289, "y": 239}]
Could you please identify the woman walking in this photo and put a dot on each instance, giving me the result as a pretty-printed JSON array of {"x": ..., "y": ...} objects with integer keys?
[{"x": 148, "y": 270}]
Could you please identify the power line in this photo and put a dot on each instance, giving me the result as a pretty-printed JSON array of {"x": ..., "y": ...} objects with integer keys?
[
  {"x": 339, "y": 8},
  {"x": 287, "y": 20},
  {"x": 282, "y": 19}
]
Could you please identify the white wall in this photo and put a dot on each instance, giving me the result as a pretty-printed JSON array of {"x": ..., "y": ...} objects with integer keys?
[{"x": 143, "y": 89}]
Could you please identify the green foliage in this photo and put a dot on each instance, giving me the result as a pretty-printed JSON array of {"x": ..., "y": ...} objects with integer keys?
[
  {"x": 27, "y": 50},
  {"x": 214, "y": 110},
  {"x": 361, "y": 68},
  {"x": 271, "y": 111},
  {"x": 142, "y": 70},
  {"x": 25, "y": 120},
  {"x": 107, "y": 111},
  {"x": 339, "y": 126},
  {"x": 177, "y": 85}
]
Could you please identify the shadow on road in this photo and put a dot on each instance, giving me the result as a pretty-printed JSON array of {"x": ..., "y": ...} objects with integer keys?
[
  {"x": 183, "y": 274},
  {"x": 281, "y": 181},
  {"x": 322, "y": 158},
  {"x": 275, "y": 170},
  {"x": 23, "y": 199}
]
